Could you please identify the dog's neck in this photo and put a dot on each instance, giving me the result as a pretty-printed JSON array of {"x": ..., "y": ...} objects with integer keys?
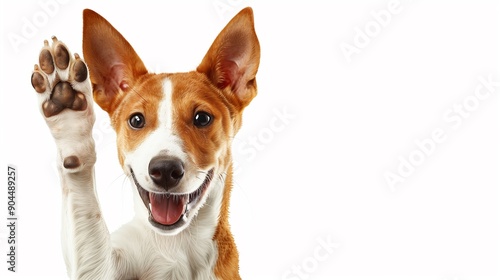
[{"x": 228, "y": 258}]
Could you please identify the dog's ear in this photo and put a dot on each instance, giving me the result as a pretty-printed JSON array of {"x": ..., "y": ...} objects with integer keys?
[
  {"x": 113, "y": 64},
  {"x": 232, "y": 61}
]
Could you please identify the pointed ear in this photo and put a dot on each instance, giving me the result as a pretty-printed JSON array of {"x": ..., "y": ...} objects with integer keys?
[
  {"x": 113, "y": 64},
  {"x": 232, "y": 61}
]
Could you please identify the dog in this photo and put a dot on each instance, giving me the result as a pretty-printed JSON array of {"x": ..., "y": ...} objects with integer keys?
[{"x": 173, "y": 134}]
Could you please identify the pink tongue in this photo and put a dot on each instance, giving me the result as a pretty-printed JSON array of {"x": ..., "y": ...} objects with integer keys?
[{"x": 166, "y": 210}]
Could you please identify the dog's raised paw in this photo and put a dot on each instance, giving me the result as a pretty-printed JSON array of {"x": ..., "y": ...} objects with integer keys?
[
  {"x": 60, "y": 79},
  {"x": 64, "y": 93}
]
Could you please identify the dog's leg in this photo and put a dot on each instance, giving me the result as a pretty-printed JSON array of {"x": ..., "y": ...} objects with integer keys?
[{"x": 64, "y": 91}]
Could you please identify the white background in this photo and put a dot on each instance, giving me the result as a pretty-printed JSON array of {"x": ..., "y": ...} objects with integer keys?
[{"x": 317, "y": 174}]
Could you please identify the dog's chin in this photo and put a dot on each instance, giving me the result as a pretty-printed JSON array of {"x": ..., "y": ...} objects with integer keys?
[{"x": 186, "y": 206}]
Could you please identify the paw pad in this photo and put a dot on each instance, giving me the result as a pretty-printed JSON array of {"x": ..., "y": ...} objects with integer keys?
[
  {"x": 80, "y": 70},
  {"x": 61, "y": 56},
  {"x": 62, "y": 95},
  {"x": 38, "y": 82},
  {"x": 71, "y": 162},
  {"x": 46, "y": 61}
]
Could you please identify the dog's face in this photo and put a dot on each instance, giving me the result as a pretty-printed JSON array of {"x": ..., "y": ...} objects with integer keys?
[
  {"x": 174, "y": 131},
  {"x": 173, "y": 140}
]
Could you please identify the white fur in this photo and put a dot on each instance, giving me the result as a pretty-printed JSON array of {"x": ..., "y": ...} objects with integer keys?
[{"x": 136, "y": 250}]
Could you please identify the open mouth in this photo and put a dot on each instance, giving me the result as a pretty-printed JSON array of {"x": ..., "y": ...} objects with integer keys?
[{"x": 169, "y": 211}]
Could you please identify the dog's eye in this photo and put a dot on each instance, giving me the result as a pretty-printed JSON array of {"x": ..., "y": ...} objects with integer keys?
[
  {"x": 136, "y": 121},
  {"x": 202, "y": 119}
]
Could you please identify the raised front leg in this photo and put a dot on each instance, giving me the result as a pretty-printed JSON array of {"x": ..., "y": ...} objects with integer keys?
[{"x": 64, "y": 93}]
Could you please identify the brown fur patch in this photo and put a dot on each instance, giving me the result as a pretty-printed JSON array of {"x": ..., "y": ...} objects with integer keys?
[
  {"x": 227, "y": 266},
  {"x": 193, "y": 93}
]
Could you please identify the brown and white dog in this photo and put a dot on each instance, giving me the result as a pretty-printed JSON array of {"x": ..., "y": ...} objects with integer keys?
[{"x": 174, "y": 135}]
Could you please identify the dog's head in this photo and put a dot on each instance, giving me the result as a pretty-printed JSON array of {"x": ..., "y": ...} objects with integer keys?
[{"x": 173, "y": 131}]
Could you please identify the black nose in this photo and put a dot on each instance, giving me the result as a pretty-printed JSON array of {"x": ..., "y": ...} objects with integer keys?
[{"x": 166, "y": 172}]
